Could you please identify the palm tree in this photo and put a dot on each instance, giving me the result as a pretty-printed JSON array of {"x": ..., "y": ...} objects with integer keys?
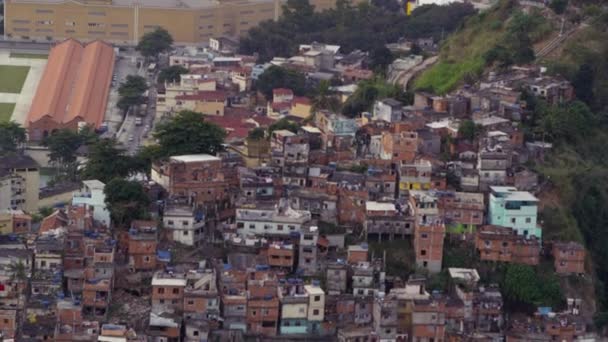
[
  {"x": 18, "y": 271},
  {"x": 325, "y": 98}
]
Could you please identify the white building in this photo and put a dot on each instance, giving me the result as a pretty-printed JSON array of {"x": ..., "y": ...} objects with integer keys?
[
  {"x": 91, "y": 195},
  {"x": 186, "y": 226},
  {"x": 280, "y": 219}
]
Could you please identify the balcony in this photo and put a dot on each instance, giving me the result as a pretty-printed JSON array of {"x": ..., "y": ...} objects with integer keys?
[{"x": 81, "y": 195}]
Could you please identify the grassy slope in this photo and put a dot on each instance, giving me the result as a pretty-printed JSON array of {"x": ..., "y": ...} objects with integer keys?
[{"x": 462, "y": 53}]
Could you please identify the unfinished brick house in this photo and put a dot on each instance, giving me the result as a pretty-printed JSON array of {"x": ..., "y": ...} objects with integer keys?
[
  {"x": 195, "y": 177},
  {"x": 168, "y": 291},
  {"x": 262, "y": 304},
  {"x": 495, "y": 243},
  {"x": 143, "y": 241},
  {"x": 569, "y": 257}
]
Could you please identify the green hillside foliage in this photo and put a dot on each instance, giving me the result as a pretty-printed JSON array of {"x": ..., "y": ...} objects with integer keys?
[
  {"x": 365, "y": 27},
  {"x": 500, "y": 36}
]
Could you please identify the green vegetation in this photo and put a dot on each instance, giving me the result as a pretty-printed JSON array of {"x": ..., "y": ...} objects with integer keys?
[
  {"x": 283, "y": 124},
  {"x": 527, "y": 286},
  {"x": 107, "y": 161},
  {"x": 368, "y": 92},
  {"x": 29, "y": 55},
  {"x": 257, "y": 134},
  {"x": 400, "y": 256},
  {"x": 63, "y": 145},
  {"x": 501, "y": 35},
  {"x": 131, "y": 91},
  {"x": 12, "y": 136},
  {"x": 171, "y": 74},
  {"x": 6, "y": 111},
  {"x": 12, "y": 78},
  {"x": 154, "y": 43},
  {"x": 188, "y": 133},
  {"x": 365, "y": 27},
  {"x": 126, "y": 200},
  {"x": 277, "y": 77}
]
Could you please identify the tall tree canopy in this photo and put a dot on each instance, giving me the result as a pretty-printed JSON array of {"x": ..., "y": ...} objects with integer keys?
[
  {"x": 12, "y": 135},
  {"x": 131, "y": 91},
  {"x": 108, "y": 161},
  {"x": 189, "y": 133},
  {"x": 365, "y": 27},
  {"x": 155, "y": 42},
  {"x": 171, "y": 74},
  {"x": 277, "y": 77},
  {"x": 126, "y": 201}
]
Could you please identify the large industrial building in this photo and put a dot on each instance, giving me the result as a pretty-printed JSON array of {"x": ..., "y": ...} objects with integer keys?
[
  {"x": 125, "y": 21},
  {"x": 73, "y": 89}
]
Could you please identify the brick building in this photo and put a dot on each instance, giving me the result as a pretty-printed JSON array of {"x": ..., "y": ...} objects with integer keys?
[
  {"x": 142, "y": 244},
  {"x": 168, "y": 291},
  {"x": 569, "y": 257},
  {"x": 496, "y": 243}
]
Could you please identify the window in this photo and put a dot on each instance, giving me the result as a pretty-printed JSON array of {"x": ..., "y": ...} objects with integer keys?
[
  {"x": 170, "y": 222},
  {"x": 528, "y": 220},
  {"x": 423, "y": 252},
  {"x": 186, "y": 232},
  {"x": 424, "y": 235},
  {"x": 175, "y": 291},
  {"x": 195, "y": 333},
  {"x": 44, "y": 11},
  {"x": 146, "y": 259},
  {"x": 254, "y": 313},
  {"x": 160, "y": 290},
  {"x": 190, "y": 302},
  {"x": 280, "y": 227},
  {"x": 513, "y": 220},
  {"x": 315, "y": 312},
  {"x": 252, "y": 226},
  {"x": 317, "y": 298}
]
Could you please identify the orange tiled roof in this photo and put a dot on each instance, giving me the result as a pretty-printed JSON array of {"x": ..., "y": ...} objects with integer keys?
[{"x": 75, "y": 83}]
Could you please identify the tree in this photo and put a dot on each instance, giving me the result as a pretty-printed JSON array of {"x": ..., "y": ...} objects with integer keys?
[
  {"x": 583, "y": 83},
  {"x": 18, "y": 271},
  {"x": 558, "y": 6},
  {"x": 126, "y": 201},
  {"x": 12, "y": 136},
  {"x": 283, "y": 124},
  {"x": 171, "y": 74},
  {"x": 131, "y": 91},
  {"x": 256, "y": 134},
  {"x": 277, "y": 77},
  {"x": 189, "y": 133},
  {"x": 381, "y": 58},
  {"x": 468, "y": 130},
  {"x": 325, "y": 98},
  {"x": 155, "y": 42},
  {"x": 63, "y": 145},
  {"x": 107, "y": 161},
  {"x": 520, "y": 284}
]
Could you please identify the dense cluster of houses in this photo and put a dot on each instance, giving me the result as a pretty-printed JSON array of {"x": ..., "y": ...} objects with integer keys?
[{"x": 294, "y": 215}]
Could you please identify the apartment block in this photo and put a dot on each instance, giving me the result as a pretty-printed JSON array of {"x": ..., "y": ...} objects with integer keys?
[
  {"x": 462, "y": 211},
  {"x": 307, "y": 263},
  {"x": 184, "y": 224},
  {"x": 316, "y": 307},
  {"x": 515, "y": 209},
  {"x": 400, "y": 148},
  {"x": 388, "y": 219},
  {"x": 196, "y": 178},
  {"x": 294, "y": 308},
  {"x": 23, "y": 173},
  {"x": 143, "y": 241},
  {"x": 168, "y": 291},
  {"x": 495, "y": 243},
  {"x": 428, "y": 244},
  {"x": 336, "y": 277},
  {"x": 281, "y": 256},
  {"x": 279, "y": 220},
  {"x": 201, "y": 299},
  {"x": 415, "y": 175},
  {"x": 262, "y": 304},
  {"x": 569, "y": 257}
]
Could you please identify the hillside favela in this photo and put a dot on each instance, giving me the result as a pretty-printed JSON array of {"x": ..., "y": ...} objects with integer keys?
[{"x": 303, "y": 170}]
